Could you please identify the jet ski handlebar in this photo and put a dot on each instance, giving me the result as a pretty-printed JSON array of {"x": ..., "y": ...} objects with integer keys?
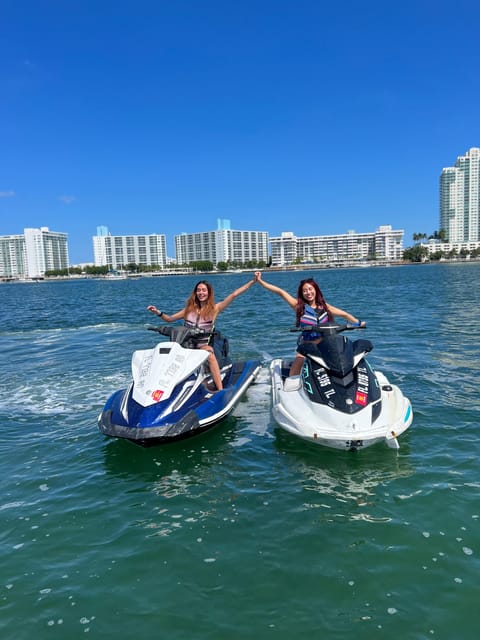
[
  {"x": 182, "y": 335},
  {"x": 327, "y": 328}
]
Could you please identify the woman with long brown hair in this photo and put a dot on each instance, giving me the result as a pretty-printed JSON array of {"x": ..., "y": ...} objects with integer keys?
[
  {"x": 201, "y": 311},
  {"x": 311, "y": 309}
]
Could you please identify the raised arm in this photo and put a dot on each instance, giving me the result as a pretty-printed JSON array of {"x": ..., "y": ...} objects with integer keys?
[
  {"x": 280, "y": 292},
  {"x": 220, "y": 306},
  {"x": 164, "y": 316},
  {"x": 335, "y": 311}
]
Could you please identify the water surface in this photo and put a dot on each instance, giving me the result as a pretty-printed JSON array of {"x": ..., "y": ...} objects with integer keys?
[{"x": 244, "y": 531}]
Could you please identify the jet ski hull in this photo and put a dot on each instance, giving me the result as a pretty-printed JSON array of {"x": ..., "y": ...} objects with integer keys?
[
  {"x": 123, "y": 417},
  {"x": 326, "y": 426}
]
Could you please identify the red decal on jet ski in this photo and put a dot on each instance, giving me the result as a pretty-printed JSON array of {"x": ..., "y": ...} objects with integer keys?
[
  {"x": 156, "y": 395},
  {"x": 361, "y": 398}
]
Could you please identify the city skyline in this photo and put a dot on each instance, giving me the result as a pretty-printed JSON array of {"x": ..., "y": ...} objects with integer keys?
[{"x": 310, "y": 118}]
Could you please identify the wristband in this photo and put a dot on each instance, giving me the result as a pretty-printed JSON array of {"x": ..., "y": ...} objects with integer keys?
[
  {"x": 160, "y": 314},
  {"x": 357, "y": 324}
]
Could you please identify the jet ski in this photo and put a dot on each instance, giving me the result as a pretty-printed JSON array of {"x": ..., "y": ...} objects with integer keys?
[
  {"x": 172, "y": 394},
  {"x": 338, "y": 400}
]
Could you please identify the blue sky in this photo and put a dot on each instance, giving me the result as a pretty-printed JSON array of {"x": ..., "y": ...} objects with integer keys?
[{"x": 160, "y": 117}]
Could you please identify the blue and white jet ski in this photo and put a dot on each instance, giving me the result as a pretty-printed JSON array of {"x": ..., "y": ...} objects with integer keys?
[
  {"x": 338, "y": 401},
  {"x": 172, "y": 395}
]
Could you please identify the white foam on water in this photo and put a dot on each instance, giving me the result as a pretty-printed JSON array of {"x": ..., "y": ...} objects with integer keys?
[
  {"x": 254, "y": 409},
  {"x": 61, "y": 395}
]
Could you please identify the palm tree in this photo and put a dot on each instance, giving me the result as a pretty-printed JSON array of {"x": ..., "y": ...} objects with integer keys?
[{"x": 419, "y": 236}]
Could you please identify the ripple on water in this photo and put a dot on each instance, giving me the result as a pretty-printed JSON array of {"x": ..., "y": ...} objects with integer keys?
[{"x": 353, "y": 544}]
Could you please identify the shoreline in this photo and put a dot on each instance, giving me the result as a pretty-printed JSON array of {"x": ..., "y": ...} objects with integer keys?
[{"x": 292, "y": 268}]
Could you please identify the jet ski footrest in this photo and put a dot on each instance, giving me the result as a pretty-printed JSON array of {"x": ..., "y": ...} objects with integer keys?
[{"x": 292, "y": 383}]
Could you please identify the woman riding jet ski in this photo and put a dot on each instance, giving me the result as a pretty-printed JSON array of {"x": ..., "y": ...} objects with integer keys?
[
  {"x": 172, "y": 394},
  {"x": 338, "y": 401},
  {"x": 330, "y": 394},
  {"x": 184, "y": 386}
]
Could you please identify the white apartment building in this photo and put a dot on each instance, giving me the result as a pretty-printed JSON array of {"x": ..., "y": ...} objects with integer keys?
[
  {"x": 383, "y": 244},
  {"x": 222, "y": 245},
  {"x": 118, "y": 251},
  {"x": 459, "y": 199},
  {"x": 435, "y": 245},
  {"x": 32, "y": 254},
  {"x": 13, "y": 261}
]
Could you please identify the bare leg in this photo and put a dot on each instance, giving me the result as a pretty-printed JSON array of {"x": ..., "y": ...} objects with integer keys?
[
  {"x": 297, "y": 365},
  {"x": 214, "y": 368}
]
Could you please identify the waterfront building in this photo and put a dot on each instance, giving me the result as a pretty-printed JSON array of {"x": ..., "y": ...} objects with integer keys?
[
  {"x": 459, "y": 199},
  {"x": 13, "y": 262},
  {"x": 118, "y": 251},
  {"x": 383, "y": 244},
  {"x": 459, "y": 248},
  {"x": 222, "y": 245},
  {"x": 32, "y": 254}
]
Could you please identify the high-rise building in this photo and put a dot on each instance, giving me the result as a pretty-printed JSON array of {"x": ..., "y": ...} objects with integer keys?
[
  {"x": 222, "y": 245},
  {"x": 13, "y": 261},
  {"x": 383, "y": 244},
  {"x": 118, "y": 251},
  {"x": 459, "y": 198},
  {"x": 32, "y": 254}
]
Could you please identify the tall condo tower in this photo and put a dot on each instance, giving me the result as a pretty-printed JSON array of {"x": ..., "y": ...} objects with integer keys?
[{"x": 459, "y": 198}]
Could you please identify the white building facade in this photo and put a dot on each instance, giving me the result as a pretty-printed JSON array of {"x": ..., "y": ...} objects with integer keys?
[
  {"x": 433, "y": 246},
  {"x": 383, "y": 244},
  {"x": 222, "y": 245},
  {"x": 119, "y": 251},
  {"x": 13, "y": 261},
  {"x": 32, "y": 254},
  {"x": 459, "y": 199}
]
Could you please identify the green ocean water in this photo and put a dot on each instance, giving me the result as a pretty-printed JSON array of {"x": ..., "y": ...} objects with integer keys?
[{"x": 244, "y": 531}]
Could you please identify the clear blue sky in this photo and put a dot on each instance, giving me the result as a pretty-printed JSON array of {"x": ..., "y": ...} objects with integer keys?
[{"x": 160, "y": 117}]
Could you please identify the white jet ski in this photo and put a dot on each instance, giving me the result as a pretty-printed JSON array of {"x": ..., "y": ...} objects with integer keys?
[{"x": 338, "y": 401}]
